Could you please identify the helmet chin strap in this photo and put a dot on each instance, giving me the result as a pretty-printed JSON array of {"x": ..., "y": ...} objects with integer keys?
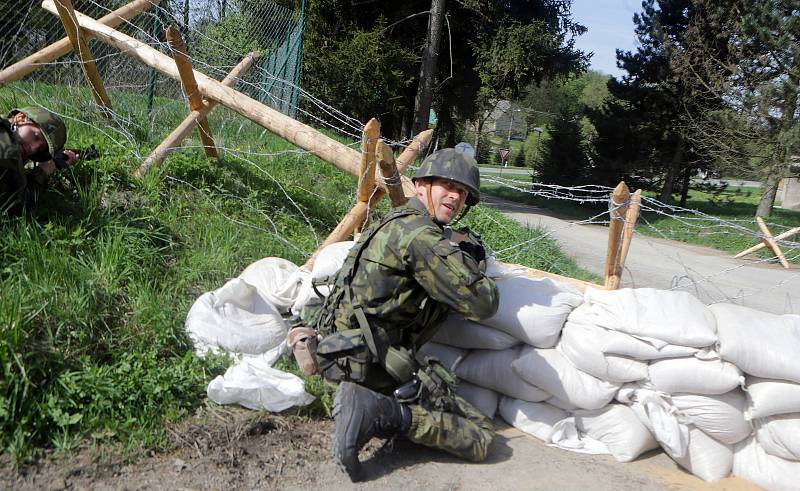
[
  {"x": 429, "y": 204},
  {"x": 461, "y": 215}
]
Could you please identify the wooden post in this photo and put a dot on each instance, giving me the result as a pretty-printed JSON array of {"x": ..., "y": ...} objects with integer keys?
[
  {"x": 63, "y": 46},
  {"x": 763, "y": 244},
  {"x": 75, "y": 34},
  {"x": 619, "y": 208},
  {"x": 631, "y": 216},
  {"x": 391, "y": 178},
  {"x": 366, "y": 173},
  {"x": 359, "y": 212},
  {"x": 301, "y": 135},
  {"x": 770, "y": 242},
  {"x": 190, "y": 88},
  {"x": 182, "y": 130}
]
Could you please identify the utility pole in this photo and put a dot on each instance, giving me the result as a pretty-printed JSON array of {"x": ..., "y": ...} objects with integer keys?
[{"x": 427, "y": 74}]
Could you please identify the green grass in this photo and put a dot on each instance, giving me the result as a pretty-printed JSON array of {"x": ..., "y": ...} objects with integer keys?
[
  {"x": 731, "y": 226},
  {"x": 97, "y": 276}
]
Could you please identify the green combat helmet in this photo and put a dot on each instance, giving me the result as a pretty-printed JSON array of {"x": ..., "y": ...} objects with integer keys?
[
  {"x": 457, "y": 166},
  {"x": 53, "y": 130}
]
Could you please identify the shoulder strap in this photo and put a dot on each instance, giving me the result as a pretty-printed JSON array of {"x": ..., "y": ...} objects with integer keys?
[{"x": 341, "y": 283}]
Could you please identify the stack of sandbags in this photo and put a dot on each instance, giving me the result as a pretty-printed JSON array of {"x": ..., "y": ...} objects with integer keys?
[
  {"x": 531, "y": 312},
  {"x": 765, "y": 346}
]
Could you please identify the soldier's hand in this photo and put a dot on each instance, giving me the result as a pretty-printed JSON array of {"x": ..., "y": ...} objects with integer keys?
[
  {"x": 66, "y": 158},
  {"x": 474, "y": 249}
]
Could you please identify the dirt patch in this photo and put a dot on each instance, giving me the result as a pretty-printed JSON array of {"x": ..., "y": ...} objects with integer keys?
[{"x": 233, "y": 448}]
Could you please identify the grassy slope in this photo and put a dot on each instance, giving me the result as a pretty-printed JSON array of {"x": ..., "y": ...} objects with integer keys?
[
  {"x": 732, "y": 209},
  {"x": 98, "y": 276}
]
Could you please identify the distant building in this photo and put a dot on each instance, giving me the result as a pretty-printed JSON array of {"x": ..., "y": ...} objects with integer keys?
[{"x": 507, "y": 120}]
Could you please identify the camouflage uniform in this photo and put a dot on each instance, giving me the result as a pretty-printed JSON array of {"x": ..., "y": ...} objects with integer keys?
[
  {"x": 12, "y": 167},
  {"x": 406, "y": 280},
  {"x": 13, "y": 177}
]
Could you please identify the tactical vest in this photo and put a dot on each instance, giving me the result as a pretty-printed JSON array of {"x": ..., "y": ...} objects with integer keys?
[{"x": 368, "y": 355}]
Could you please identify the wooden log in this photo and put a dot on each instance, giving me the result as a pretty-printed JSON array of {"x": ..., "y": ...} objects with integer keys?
[
  {"x": 770, "y": 242},
  {"x": 537, "y": 273},
  {"x": 303, "y": 136},
  {"x": 70, "y": 22},
  {"x": 619, "y": 207},
  {"x": 762, "y": 245},
  {"x": 391, "y": 178},
  {"x": 64, "y": 45},
  {"x": 182, "y": 130},
  {"x": 359, "y": 213},
  {"x": 366, "y": 173},
  {"x": 190, "y": 88},
  {"x": 631, "y": 217}
]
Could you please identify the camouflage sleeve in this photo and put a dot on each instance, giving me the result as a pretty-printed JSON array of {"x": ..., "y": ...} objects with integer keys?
[{"x": 452, "y": 277}]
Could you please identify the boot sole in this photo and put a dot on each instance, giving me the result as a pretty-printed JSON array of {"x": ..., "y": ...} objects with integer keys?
[{"x": 343, "y": 405}]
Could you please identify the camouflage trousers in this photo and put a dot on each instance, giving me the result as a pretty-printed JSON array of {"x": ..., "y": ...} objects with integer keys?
[{"x": 465, "y": 432}]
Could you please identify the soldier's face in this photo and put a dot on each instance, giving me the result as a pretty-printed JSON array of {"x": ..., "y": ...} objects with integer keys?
[
  {"x": 447, "y": 197},
  {"x": 30, "y": 137}
]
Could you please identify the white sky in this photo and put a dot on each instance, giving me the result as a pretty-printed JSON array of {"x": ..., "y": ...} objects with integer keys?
[{"x": 610, "y": 26}]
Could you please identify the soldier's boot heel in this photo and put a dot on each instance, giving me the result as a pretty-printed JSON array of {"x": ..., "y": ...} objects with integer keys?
[{"x": 360, "y": 414}]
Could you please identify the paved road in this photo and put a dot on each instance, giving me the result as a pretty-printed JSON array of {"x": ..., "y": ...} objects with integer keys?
[{"x": 712, "y": 275}]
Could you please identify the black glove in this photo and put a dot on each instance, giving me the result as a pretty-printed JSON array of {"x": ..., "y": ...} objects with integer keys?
[{"x": 474, "y": 249}]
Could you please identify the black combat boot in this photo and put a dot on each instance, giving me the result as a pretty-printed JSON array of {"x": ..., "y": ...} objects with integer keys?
[{"x": 360, "y": 414}]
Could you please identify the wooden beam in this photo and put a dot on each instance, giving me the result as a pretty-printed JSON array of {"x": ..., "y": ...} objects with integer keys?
[
  {"x": 303, "y": 136},
  {"x": 538, "y": 273},
  {"x": 770, "y": 242},
  {"x": 190, "y": 88},
  {"x": 631, "y": 217},
  {"x": 64, "y": 45},
  {"x": 366, "y": 173},
  {"x": 762, "y": 244},
  {"x": 619, "y": 207},
  {"x": 359, "y": 212},
  {"x": 182, "y": 130},
  {"x": 391, "y": 178},
  {"x": 70, "y": 22}
]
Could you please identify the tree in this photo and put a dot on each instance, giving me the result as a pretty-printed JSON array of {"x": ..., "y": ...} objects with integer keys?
[
  {"x": 745, "y": 57},
  {"x": 430, "y": 59},
  {"x": 563, "y": 156}
]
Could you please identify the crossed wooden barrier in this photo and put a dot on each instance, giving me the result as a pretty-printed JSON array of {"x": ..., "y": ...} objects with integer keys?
[
  {"x": 769, "y": 241},
  {"x": 375, "y": 166}
]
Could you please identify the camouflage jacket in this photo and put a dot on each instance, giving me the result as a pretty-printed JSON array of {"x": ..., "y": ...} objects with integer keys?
[
  {"x": 409, "y": 276},
  {"x": 12, "y": 167}
]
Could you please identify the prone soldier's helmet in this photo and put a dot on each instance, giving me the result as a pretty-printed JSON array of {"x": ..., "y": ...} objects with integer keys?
[
  {"x": 457, "y": 166},
  {"x": 53, "y": 130}
]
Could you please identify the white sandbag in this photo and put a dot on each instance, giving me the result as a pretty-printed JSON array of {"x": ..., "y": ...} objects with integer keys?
[
  {"x": 562, "y": 404},
  {"x": 448, "y": 356},
  {"x": 549, "y": 370},
  {"x": 719, "y": 416},
  {"x": 463, "y": 333},
  {"x": 658, "y": 415},
  {"x": 533, "y": 310},
  {"x": 780, "y": 436},
  {"x": 613, "y": 342},
  {"x": 583, "y": 346},
  {"x": 330, "y": 259},
  {"x": 253, "y": 383},
  {"x": 770, "y": 397},
  {"x": 705, "y": 457},
  {"x": 235, "y": 318},
  {"x": 661, "y": 316},
  {"x": 567, "y": 436},
  {"x": 751, "y": 462},
  {"x": 276, "y": 279},
  {"x": 534, "y": 418},
  {"x": 694, "y": 376},
  {"x": 492, "y": 369},
  {"x": 618, "y": 427},
  {"x": 761, "y": 344},
  {"x": 484, "y": 400}
]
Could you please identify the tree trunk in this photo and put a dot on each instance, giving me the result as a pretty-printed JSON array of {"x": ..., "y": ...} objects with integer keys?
[
  {"x": 672, "y": 173},
  {"x": 770, "y": 191},
  {"x": 427, "y": 74},
  {"x": 687, "y": 179},
  {"x": 478, "y": 131},
  {"x": 779, "y": 164},
  {"x": 185, "y": 17}
]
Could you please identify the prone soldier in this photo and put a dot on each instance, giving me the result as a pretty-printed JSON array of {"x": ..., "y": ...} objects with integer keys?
[
  {"x": 35, "y": 134},
  {"x": 398, "y": 283}
]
